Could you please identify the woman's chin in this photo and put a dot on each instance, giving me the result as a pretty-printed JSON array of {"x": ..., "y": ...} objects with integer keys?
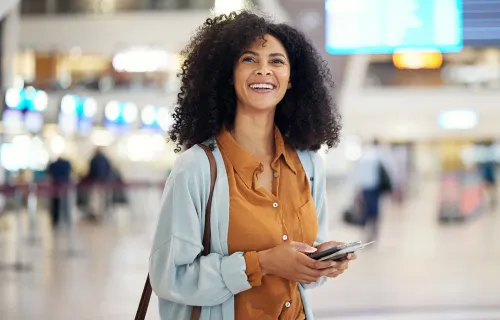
[{"x": 258, "y": 106}]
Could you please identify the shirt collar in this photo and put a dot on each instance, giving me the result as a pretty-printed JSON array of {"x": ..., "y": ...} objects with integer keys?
[{"x": 244, "y": 162}]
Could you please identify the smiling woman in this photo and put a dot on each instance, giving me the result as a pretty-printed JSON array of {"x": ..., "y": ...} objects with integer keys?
[
  {"x": 261, "y": 75},
  {"x": 231, "y": 52},
  {"x": 258, "y": 94}
]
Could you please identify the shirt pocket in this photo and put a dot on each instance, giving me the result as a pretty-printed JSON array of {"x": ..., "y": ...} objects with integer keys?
[{"x": 308, "y": 219}]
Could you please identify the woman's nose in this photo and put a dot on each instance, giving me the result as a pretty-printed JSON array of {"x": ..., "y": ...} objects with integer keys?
[{"x": 264, "y": 72}]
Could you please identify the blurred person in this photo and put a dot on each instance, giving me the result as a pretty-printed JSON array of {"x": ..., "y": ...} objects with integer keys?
[
  {"x": 372, "y": 181},
  {"x": 100, "y": 168},
  {"x": 59, "y": 172},
  {"x": 397, "y": 164},
  {"x": 488, "y": 174},
  {"x": 100, "y": 172},
  {"x": 259, "y": 95}
]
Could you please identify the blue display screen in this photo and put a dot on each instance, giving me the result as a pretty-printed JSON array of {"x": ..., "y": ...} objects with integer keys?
[
  {"x": 386, "y": 26},
  {"x": 481, "y": 23}
]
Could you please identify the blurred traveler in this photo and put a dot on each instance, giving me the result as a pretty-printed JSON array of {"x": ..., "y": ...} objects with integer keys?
[
  {"x": 399, "y": 171},
  {"x": 59, "y": 172},
  {"x": 488, "y": 173},
  {"x": 372, "y": 181},
  {"x": 100, "y": 172},
  {"x": 259, "y": 95},
  {"x": 100, "y": 167}
]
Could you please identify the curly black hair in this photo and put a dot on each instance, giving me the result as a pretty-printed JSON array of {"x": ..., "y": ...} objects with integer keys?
[{"x": 306, "y": 117}]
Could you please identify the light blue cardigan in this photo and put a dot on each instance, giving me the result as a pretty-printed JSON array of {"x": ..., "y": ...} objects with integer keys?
[{"x": 179, "y": 276}]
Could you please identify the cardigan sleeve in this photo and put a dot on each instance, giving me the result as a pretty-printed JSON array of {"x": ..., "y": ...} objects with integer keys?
[
  {"x": 318, "y": 190},
  {"x": 178, "y": 272}
]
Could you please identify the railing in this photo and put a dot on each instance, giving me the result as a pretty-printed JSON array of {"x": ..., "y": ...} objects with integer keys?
[{"x": 25, "y": 197}]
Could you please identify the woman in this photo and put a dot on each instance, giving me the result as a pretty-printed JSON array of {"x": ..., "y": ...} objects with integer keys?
[{"x": 258, "y": 94}]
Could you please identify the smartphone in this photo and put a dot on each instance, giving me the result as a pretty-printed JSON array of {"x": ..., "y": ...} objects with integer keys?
[
  {"x": 320, "y": 254},
  {"x": 340, "y": 253}
]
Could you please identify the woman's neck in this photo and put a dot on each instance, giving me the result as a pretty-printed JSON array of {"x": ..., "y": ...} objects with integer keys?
[{"x": 255, "y": 133}]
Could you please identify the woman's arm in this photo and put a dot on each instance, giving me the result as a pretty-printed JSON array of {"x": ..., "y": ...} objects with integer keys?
[{"x": 177, "y": 271}]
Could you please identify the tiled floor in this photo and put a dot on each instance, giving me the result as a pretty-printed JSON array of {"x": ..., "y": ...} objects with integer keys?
[{"x": 418, "y": 270}]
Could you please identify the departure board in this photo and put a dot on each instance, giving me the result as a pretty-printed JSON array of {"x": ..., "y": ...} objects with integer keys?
[
  {"x": 386, "y": 26},
  {"x": 481, "y": 20}
]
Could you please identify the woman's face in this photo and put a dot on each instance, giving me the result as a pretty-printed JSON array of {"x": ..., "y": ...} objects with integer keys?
[{"x": 262, "y": 75}]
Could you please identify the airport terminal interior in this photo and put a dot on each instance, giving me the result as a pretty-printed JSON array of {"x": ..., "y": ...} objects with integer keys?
[{"x": 87, "y": 81}]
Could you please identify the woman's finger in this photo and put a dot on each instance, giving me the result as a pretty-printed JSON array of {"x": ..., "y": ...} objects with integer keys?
[
  {"x": 334, "y": 275},
  {"x": 343, "y": 266},
  {"x": 310, "y": 272},
  {"x": 329, "y": 271},
  {"x": 325, "y": 264}
]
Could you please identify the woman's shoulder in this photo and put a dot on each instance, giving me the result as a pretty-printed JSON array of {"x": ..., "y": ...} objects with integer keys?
[
  {"x": 192, "y": 161},
  {"x": 309, "y": 158}
]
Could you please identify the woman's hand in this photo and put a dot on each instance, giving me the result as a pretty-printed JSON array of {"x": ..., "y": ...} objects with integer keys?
[
  {"x": 341, "y": 265},
  {"x": 289, "y": 261}
]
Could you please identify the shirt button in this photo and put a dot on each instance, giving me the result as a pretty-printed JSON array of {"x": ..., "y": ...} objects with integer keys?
[
  {"x": 285, "y": 237},
  {"x": 275, "y": 205},
  {"x": 276, "y": 174},
  {"x": 288, "y": 304}
]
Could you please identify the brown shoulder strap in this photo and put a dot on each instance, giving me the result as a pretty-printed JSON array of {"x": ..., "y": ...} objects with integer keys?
[
  {"x": 146, "y": 293},
  {"x": 143, "y": 304},
  {"x": 208, "y": 211}
]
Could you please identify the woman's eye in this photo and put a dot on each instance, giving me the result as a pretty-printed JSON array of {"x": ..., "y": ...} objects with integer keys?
[
  {"x": 278, "y": 61},
  {"x": 248, "y": 59}
]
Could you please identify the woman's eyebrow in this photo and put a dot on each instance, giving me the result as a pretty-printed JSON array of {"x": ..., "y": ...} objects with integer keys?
[{"x": 276, "y": 54}]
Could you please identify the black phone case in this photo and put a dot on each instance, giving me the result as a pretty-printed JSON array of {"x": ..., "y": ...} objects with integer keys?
[{"x": 321, "y": 254}]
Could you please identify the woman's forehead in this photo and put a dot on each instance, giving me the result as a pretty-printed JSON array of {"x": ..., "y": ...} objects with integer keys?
[{"x": 266, "y": 43}]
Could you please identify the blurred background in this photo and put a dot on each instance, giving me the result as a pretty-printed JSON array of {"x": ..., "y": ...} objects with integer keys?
[{"x": 88, "y": 87}]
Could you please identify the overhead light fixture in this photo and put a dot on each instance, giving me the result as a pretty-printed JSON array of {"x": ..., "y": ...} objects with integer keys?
[
  {"x": 148, "y": 115},
  {"x": 13, "y": 97},
  {"x": 40, "y": 100},
  {"x": 112, "y": 110},
  {"x": 89, "y": 107},
  {"x": 68, "y": 104},
  {"x": 417, "y": 59},
  {"x": 144, "y": 60},
  {"x": 129, "y": 112},
  {"x": 458, "y": 119}
]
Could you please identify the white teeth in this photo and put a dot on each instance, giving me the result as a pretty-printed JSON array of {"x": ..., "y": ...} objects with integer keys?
[{"x": 262, "y": 86}]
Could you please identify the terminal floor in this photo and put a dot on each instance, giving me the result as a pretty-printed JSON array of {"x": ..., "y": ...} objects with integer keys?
[{"x": 418, "y": 270}]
